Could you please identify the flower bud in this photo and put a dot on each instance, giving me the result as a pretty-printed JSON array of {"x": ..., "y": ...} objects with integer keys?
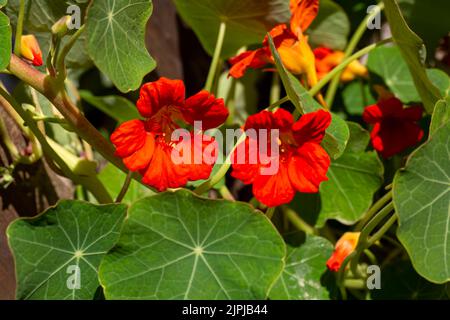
[
  {"x": 30, "y": 50},
  {"x": 61, "y": 27},
  {"x": 345, "y": 245}
]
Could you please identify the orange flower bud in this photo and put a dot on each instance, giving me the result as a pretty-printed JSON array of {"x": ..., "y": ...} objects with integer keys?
[
  {"x": 30, "y": 50},
  {"x": 345, "y": 245}
]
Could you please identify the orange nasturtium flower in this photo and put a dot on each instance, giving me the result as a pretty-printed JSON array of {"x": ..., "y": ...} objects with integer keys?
[
  {"x": 30, "y": 50},
  {"x": 291, "y": 43},
  {"x": 327, "y": 60},
  {"x": 302, "y": 162},
  {"x": 345, "y": 245},
  {"x": 146, "y": 145}
]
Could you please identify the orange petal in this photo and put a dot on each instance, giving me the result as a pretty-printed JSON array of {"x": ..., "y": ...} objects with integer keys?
[
  {"x": 30, "y": 49},
  {"x": 345, "y": 245},
  {"x": 303, "y": 14}
]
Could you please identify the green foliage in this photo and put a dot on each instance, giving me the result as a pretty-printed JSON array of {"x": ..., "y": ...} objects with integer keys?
[
  {"x": 48, "y": 249},
  {"x": 412, "y": 49},
  {"x": 5, "y": 39},
  {"x": 421, "y": 198},
  {"x": 331, "y": 26},
  {"x": 356, "y": 96},
  {"x": 337, "y": 134},
  {"x": 116, "y": 40},
  {"x": 246, "y": 21},
  {"x": 179, "y": 246},
  {"x": 303, "y": 274}
]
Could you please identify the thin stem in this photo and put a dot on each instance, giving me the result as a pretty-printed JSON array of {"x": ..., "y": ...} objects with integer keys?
[
  {"x": 316, "y": 89},
  {"x": 19, "y": 29},
  {"x": 275, "y": 89},
  {"x": 373, "y": 210},
  {"x": 208, "y": 184},
  {"x": 332, "y": 89},
  {"x": 93, "y": 185},
  {"x": 298, "y": 222},
  {"x": 125, "y": 187},
  {"x": 216, "y": 57},
  {"x": 225, "y": 193},
  {"x": 60, "y": 64},
  {"x": 278, "y": 103},
  {"x": 377, "y": 236},
  {"x": 363, "y": 242},
  {"x": 270, "y": 212}
]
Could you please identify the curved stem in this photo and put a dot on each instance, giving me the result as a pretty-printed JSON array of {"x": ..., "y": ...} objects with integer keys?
[
  {"x": 19, "y": 29},
  {"x": 373, "y": 210},
  {"x": 216, "y": 57},
  {"x": 93, "y": 185},
  {"x": 125, "y": 187},
  {"x": 316, "y": 89},
  {"x": 61, "y": 60},
  {"x": 270, "y": 212},
  {"x": 208, "y": 184},
  {"x": 377, "y": 236},
  {"x": 298, "y": 222},
  {"x": 332, "y": 89}
]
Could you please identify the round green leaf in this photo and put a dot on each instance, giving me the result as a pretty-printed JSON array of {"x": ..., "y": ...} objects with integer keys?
[
  {"x": 422, "y": 201},
  {"x": 175, "y": 245},
  {"x": 302, "y": 276},
  {"x": 388, "y": 63},
  {"x": 246, "y": 21},
  {"x": 331, "y": 26},
  {"x": 441, "y": 115},
  {"x": 116, "y": 40},
  {"x": 50, "y": 248},
  {"x": 5, "y": 41}
]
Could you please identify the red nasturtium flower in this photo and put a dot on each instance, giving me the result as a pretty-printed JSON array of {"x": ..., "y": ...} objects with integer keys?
[
  {"x": 146, "y": 145},
  {"x": 291, "y": 43},
  {"x": 395, "y": 128},
  {"x": 302, "y": 162},
  {"x": 345, "y": 245},
  {"x": 30, "y": 50},
  {"x": 327, "y": 60}
]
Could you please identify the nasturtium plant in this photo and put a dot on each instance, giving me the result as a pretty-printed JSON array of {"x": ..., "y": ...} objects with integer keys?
[
  {"x": 179, "y": 246},
  {"x": 70, "y": 238},
  {"x": 278, "y": 150}
]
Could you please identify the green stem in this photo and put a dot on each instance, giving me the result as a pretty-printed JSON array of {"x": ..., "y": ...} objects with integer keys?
[
  {"x": 270, "y": 212},
  {"x": 377, "y": 236},
  {"x": 93, "y": 185},
  {"x": 298, "y": 222},
  {"x": 125, "y": 187},
  {"x": 19, "y": 29},
  {"x": 225, "y": 193},
  {"x": 216, "y": 57},
  {"x": 278, "y": 103},
  {"x": 61, "y": 60},
  {"x": 275, "y": 89},
  {"x": 373, "y": 210},
  {"x": 316, "y": 89},
  {"x": 363, "y": 242},
  {"x": 332, "y": 89},
  {"x": 208, "y": 184}
]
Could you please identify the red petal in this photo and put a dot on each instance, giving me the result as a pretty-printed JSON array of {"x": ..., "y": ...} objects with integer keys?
[
  {"x": 280, "y": 119},
  {"x": 392, "y": 137},
  {"x": 162, "y": 173},
  {"x": 391, "y": 107},
  {"x": 274, "y": 190},
  {"x": 203, "y": 151},
  {"x": 206, "y": 108},
  {"x": 158, "y": 94},
  {"x": 412, "y": 113},
  {"x": 245, "y": 161},
  {"x": 311, "y": 127},
  {"x": 141, "y": 158},
  {"x": 303, "y": 14},
  {"x": 129, "y": 137},
  {"x": 308, "y": 167},
  {"x": 249, "y": 59}
]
